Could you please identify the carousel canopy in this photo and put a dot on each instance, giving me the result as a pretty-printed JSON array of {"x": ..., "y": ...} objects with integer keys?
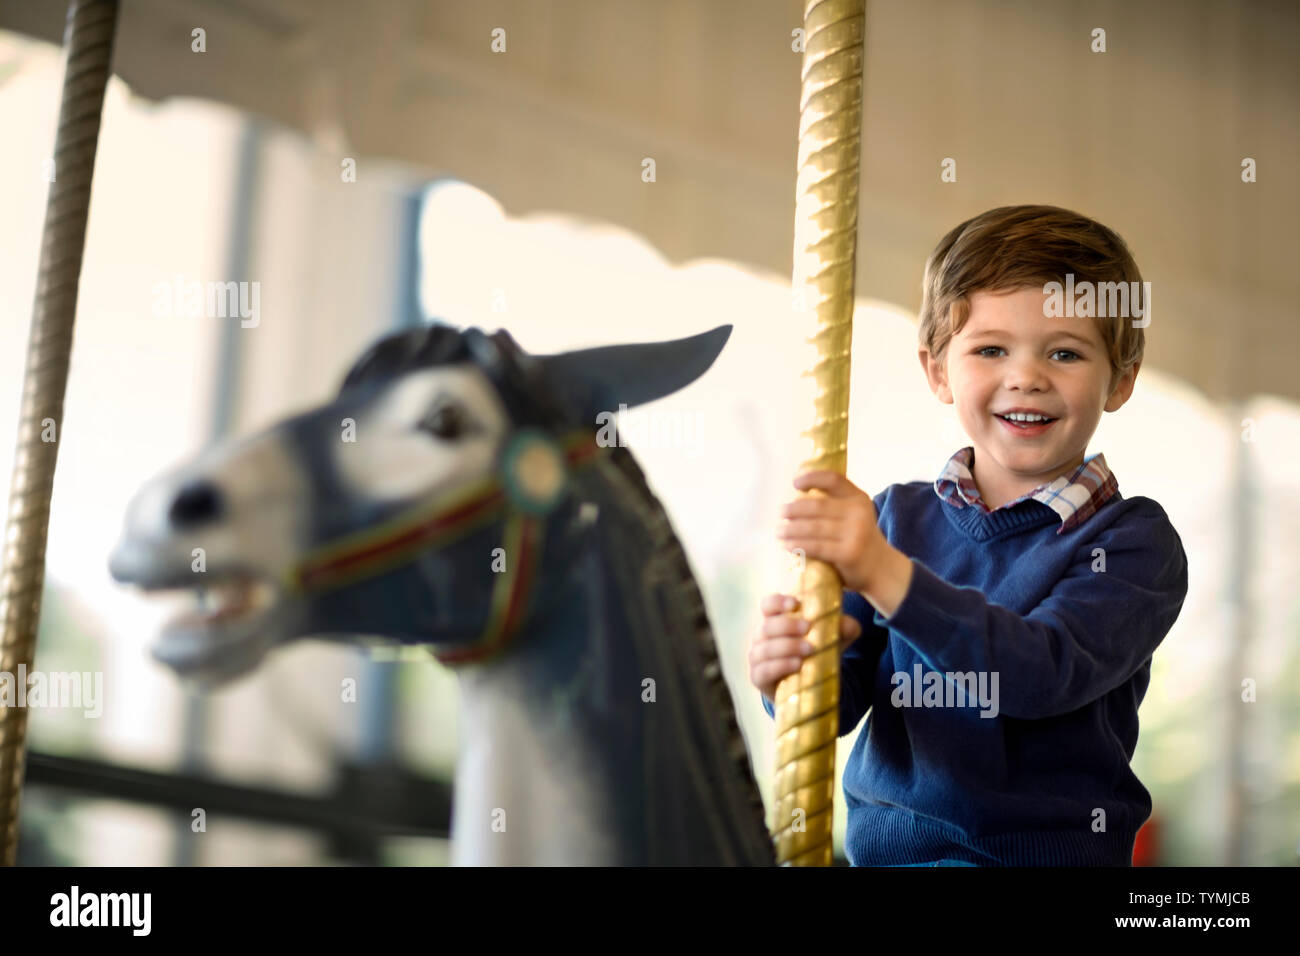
[{"x": 1144, "y": 125}]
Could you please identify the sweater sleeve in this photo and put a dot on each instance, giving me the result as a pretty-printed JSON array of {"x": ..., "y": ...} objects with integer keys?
[
  {"x": 1091, "y": 634},
  {"x": 857, "y": 664}
]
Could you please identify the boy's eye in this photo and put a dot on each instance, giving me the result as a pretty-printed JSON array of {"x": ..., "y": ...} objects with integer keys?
[{"x": 997, "y": 348}]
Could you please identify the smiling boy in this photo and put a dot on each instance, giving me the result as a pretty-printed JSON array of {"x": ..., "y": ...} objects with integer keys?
[{"x": 1021, "y": 568}]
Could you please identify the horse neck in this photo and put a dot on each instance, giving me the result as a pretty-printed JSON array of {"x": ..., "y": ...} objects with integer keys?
[
  {"x": 609, "y": 725},
  {"x": 534, "y": 779}
]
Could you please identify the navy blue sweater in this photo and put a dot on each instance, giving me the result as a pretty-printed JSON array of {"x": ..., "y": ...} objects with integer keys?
[{"x": 1035, "y": 770}]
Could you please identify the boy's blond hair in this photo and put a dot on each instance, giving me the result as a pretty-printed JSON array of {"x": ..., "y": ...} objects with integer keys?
[{"x": 1015, "y": 247}]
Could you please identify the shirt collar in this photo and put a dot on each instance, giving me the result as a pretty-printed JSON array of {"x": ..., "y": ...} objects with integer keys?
[{"x": 1075, "y": 497}]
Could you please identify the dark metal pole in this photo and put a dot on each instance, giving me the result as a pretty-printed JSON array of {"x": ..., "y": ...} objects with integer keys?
[
  {"x": 378, "y": 744},
  {"x": 88, "y": 42},
  {"x": 197, "y": 708}
]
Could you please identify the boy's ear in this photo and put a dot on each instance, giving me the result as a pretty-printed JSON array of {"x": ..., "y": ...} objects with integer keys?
[
  {"x": 1123, "y": 389},
  {"x": 936, "y": 373}
]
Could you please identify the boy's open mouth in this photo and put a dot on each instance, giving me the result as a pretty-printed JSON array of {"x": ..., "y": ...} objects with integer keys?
[{"x": 1026, "y": 424}]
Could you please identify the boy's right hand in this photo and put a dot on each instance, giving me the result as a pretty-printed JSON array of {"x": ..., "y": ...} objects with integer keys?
[{"x": 778, "y": 650}]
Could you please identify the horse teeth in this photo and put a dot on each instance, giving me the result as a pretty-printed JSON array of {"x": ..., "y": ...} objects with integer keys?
[{"x": 228, "y": 597}]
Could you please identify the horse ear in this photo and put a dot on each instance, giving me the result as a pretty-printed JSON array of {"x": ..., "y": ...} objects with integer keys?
[{"x": 600, "y": 379}]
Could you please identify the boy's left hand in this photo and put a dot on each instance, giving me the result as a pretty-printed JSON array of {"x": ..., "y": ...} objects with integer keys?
[{"x": 839, "y": 528}]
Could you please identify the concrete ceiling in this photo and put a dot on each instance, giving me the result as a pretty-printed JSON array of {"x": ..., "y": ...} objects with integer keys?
[{"x": 1147, "y": 137}]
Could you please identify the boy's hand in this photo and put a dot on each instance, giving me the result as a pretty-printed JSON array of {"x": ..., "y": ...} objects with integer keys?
[
  {"x": 839, "y": 529},
  {"x": 778, "y": 650}
]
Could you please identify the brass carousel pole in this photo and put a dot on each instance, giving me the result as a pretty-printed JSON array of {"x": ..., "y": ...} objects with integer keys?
[
  {"x": 825, "y": 252},
  {"x": 88, "y": 42}
]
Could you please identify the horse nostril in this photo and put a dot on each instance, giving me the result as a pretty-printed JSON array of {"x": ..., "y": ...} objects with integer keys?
[{"x": 196, "y": 503}]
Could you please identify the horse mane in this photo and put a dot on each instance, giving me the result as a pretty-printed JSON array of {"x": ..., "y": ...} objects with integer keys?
[
  {"x": 422, "y": 347},
  {"x": 695, "y": 643}
]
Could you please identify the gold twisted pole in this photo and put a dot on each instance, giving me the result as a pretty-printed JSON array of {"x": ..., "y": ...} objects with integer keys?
[
  {"x": 88, "y": 40},
  {"x": 825, "y": 253}
]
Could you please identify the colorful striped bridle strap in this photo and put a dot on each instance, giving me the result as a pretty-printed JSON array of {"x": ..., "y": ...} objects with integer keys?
[{"x": 435, "y": 523}]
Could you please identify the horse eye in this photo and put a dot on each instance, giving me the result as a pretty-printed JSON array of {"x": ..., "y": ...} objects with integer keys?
[{"x": 445, "y": 420}]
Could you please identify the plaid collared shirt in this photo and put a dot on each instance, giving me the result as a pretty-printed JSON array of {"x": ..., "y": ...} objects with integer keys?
[{"x": 1075, "y": 497}]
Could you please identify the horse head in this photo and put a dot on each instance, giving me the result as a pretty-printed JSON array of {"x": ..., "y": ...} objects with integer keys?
[{"x": 407, "y": 508}]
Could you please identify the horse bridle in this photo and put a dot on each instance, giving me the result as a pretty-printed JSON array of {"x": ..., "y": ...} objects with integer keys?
[{"x": 529, "y": 480}]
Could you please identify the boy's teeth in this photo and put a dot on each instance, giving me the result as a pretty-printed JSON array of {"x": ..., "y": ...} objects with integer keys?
[{"x": 1025, "y": 417}]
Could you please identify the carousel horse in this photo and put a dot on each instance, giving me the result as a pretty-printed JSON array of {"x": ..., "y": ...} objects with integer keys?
[{"x": 457, "y": 493}]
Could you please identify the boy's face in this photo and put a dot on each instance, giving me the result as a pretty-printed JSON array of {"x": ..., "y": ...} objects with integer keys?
[{"x": 1008, "y": 356}]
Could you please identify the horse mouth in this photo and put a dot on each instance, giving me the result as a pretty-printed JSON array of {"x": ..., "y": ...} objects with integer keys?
[
  {"x": 222, "y": 602},
  {"x": 222, "y": 626}
]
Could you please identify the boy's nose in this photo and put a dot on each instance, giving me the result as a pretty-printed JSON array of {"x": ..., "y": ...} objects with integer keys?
[{"x": 1026, "y": 374}]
